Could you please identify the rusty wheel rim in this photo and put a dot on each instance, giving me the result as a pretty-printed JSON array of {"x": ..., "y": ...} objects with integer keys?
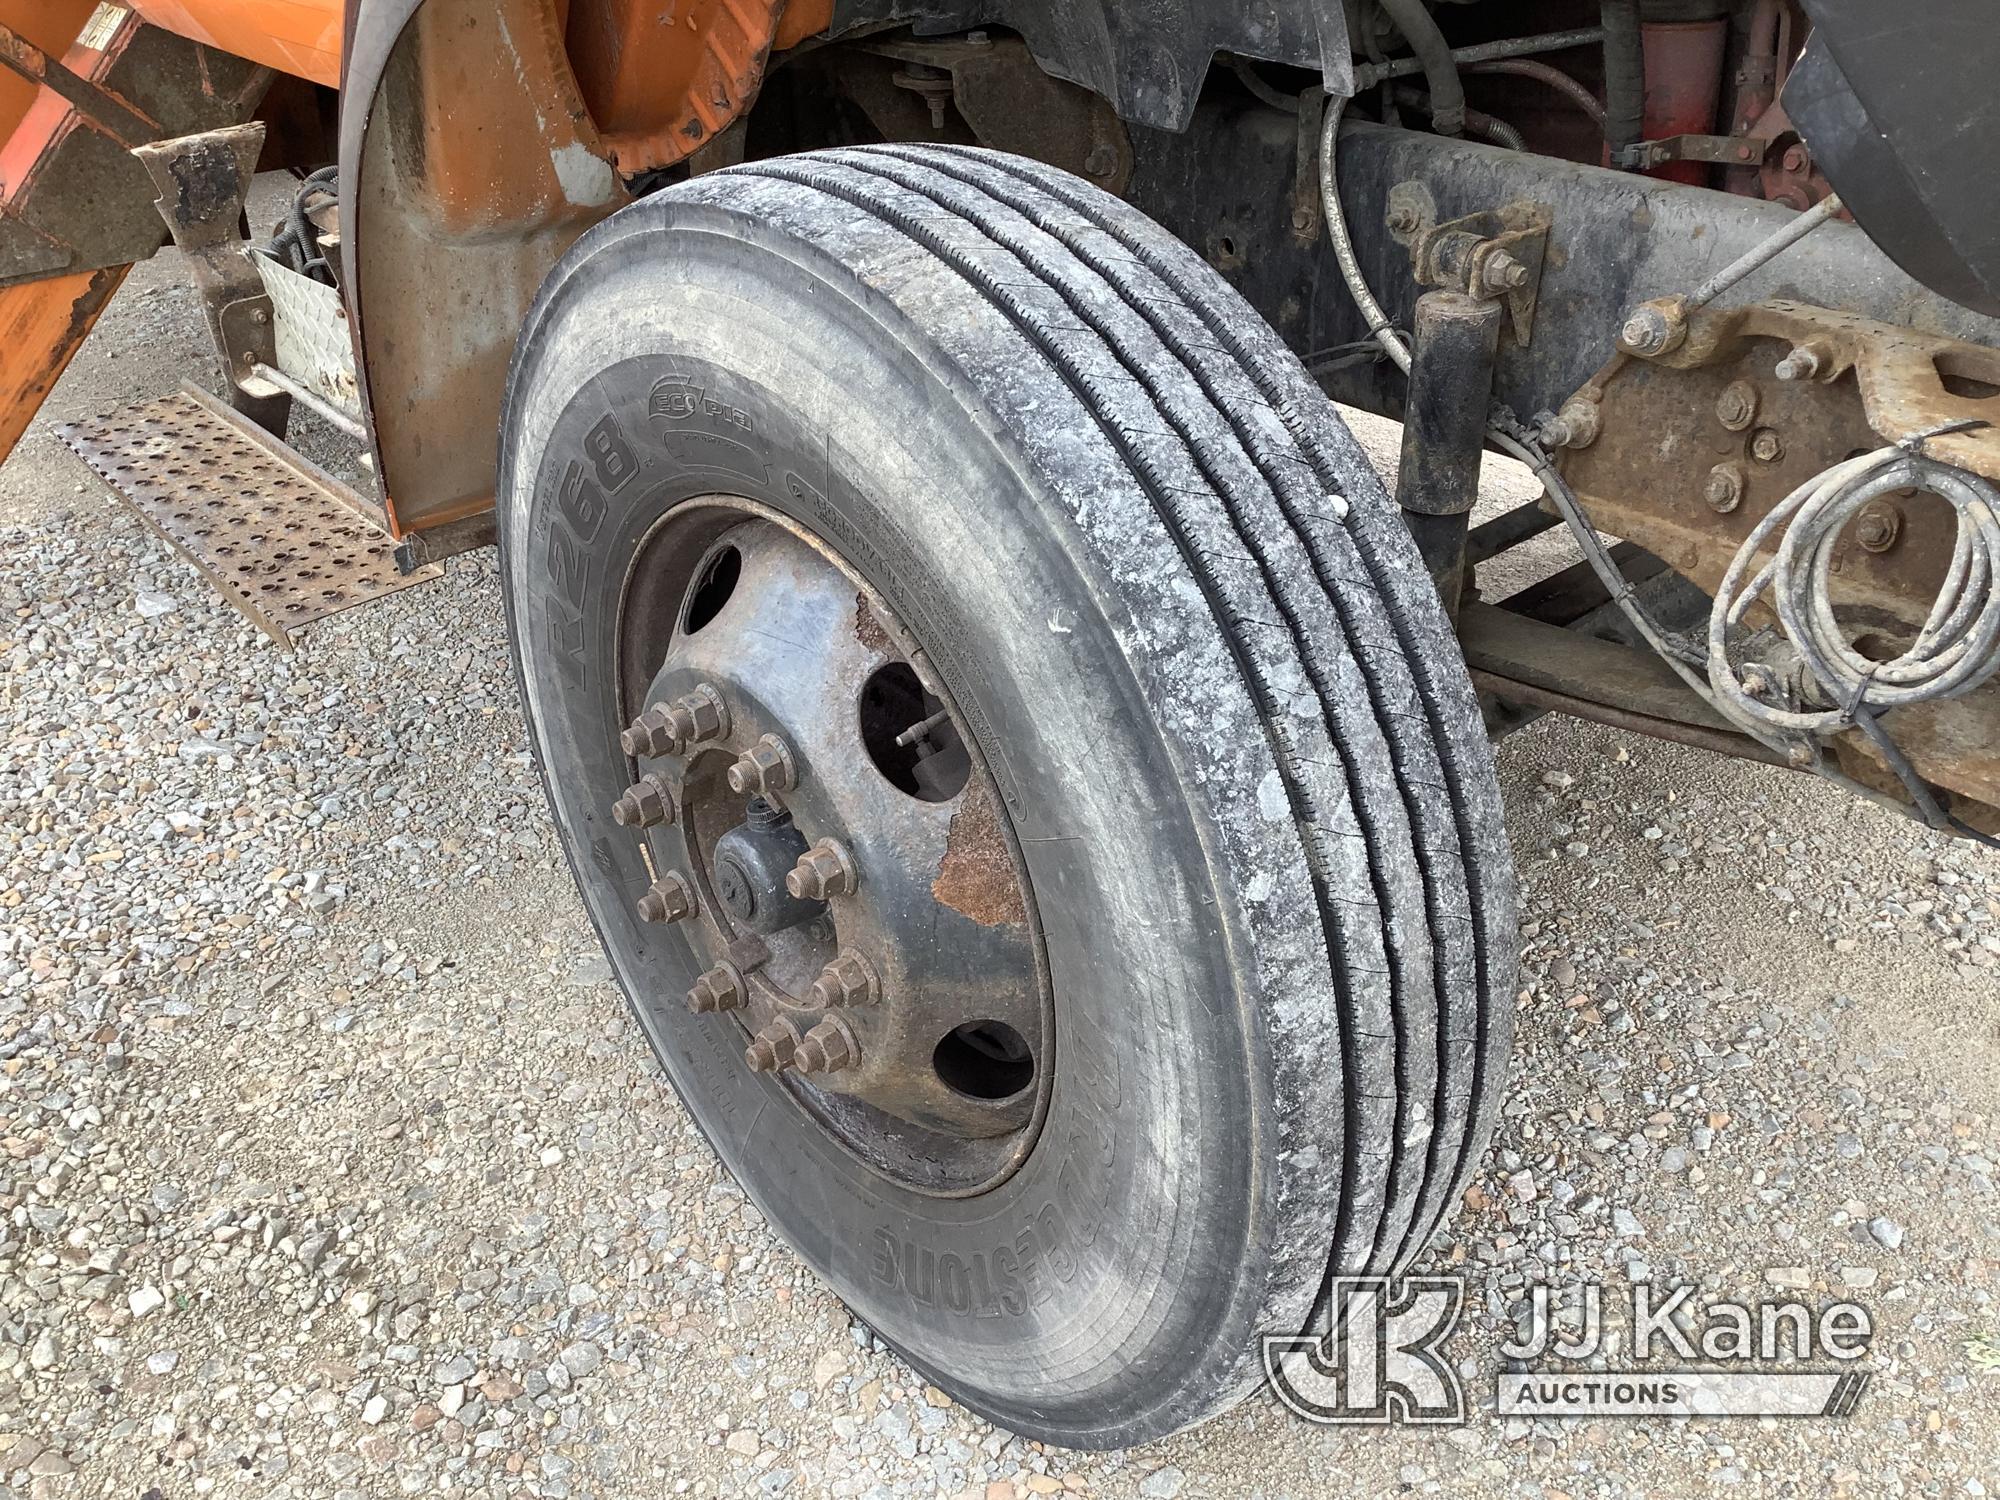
[{"x": 823, "y": 831}]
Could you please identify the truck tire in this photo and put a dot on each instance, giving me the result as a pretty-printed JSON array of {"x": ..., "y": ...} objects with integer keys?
[{"x": 1063, "y": 603}]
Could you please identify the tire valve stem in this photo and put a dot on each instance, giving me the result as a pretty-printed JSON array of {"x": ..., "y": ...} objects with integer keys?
[
  {"x": 828, "y": 1047},
  {"x": 849, "y": 980},
  {"x": 772, "y": 1049},
  {"x": 647, "y": 802},
  {"x": 670, "y": 899},
  {"x": 721, "y": 988},
  {"x": 826, "y": 869}
]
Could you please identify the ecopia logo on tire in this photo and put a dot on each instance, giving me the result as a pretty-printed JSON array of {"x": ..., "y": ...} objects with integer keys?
[{"x": 1378, "y": 1356}]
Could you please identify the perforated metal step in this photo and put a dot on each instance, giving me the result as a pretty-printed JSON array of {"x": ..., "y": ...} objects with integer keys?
[{"x": 280, "y": 539}]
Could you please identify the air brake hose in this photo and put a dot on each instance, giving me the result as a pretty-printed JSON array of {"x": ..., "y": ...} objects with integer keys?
[{"x": 1440, "y": 70}]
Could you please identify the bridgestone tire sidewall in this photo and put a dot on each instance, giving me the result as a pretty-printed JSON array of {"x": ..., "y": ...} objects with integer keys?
[{"x": 1109, "y": 1291}]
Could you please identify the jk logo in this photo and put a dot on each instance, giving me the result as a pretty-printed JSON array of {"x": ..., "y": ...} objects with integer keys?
[{"x": 1379, "y": 1358}]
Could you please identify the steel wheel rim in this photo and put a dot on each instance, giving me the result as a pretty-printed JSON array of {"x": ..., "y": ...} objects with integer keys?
[{"x": 931, "y": 1034}]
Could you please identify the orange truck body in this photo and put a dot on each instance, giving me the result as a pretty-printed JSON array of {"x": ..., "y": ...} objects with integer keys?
[
  {"x": 42, "y": 322},
  {"x": 301, "y": 37}
]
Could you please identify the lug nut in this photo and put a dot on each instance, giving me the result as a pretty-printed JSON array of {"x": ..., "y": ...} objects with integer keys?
[
  {"x": 721, "y": 988},
  {"x": 647, "y": 802},
  {"x": 1724, "y": 491},
  {"x": 824, "y": 870},
  {"x": 774, "y": 1047},
  {"x": 698, "y": 715},
  {"x": 849, "y": 980},
  {"x": 766, "y": 769},
  {"x": 670, "y": 899},
  {"x": 828, "y": 1047},
  {"x": 652, "y": 733}
]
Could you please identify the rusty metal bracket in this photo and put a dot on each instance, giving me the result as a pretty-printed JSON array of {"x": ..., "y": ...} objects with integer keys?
[
  {"x": 1496, "y": 253},
  {"x": 200, "y": 181},
  {"x": 1692, "y": 447},
  {"x": 1308, "y": 212},
  {"x": 1723, "y": 150}
]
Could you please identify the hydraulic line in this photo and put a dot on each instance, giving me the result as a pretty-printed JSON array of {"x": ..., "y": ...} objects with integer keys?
[
  {"x": 1420, "y": 30},
  {"x": 1554, "y": 77},
  {"x": 1368, "y": 74},
  {"x": 1497, "y": 131}
]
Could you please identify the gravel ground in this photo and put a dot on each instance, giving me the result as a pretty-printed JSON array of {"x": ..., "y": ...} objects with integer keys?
[{"x": 330, "y": 1165}]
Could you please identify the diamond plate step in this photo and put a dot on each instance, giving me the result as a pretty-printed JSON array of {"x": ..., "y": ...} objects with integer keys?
[{"x": 280, "y": 539}]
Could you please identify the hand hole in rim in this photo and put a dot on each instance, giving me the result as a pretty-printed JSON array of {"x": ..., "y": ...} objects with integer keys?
[
  {"x": 984, "y": 1060},
  {"x": 712, "y": 589},
  {"x": 909, "y": 737}
]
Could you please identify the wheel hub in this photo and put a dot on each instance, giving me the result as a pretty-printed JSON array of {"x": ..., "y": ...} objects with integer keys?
[{"x": 831, "y": 844}]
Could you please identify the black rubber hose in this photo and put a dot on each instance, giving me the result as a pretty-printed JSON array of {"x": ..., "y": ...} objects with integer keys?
[
  {"x": 1624, "y": 75},
  {"x": 1440, "y": 72}
]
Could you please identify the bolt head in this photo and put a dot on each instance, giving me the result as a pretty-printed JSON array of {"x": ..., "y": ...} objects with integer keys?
[
  {"x": 1644, "y": 333},
  {"x": 1576, "y": 425},
  {"x": 1403, "y": 219},
  {"x": 1736, "y": 407},
  {"x": 1802, "y": 363},
  {"x": 647, "y": 802},
  {"x": 1766, "y": 446},
  {"x": 849, "y": 980},
  {"x": 1878, "y": 526},
  {"x": 1102, "y": 161},
  {"x": 1724, "y": 490},
  {"x": 828, "y": 1047},
  {"x": 824, "y": 870},
  {"x": 669, "y": 900}
]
